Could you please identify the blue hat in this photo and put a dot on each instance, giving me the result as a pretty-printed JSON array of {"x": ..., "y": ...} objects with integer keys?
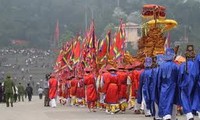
[
  {"x": 148, "y": 62},
  {"x": 169, "y": 54},
  {"x": 159, "y": 59}
]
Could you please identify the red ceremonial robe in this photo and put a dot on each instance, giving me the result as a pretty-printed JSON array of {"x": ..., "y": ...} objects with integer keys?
[
  {"x": 112, "y": 91},
  {"x": 122, "y": 79},
  {"x": 80, "y": 89},
  {"x": 91, "y": 93},
  {"x": 74, "y": 85},
  {"x": 53, "y": 84},
  {"x": 60, "y": 89},
  {"x": 105, "y": 81},
  {"x": 64, "y": 89},
  {"x": 135, "y": 78},
  {"x": 68, "y": 87}
]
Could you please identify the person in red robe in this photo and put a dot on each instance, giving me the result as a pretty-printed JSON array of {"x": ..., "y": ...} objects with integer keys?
[
  {"x": 112, "y": 91},
  {"x": 98, "y": 81},
  {"x": 62, "y": 91},
  {"x": 67, "y": 90},
  {"x": 138, "y": 69},
  {"x": 90, "y": 89},
  {"x": 53, "y": 85},
  {"x": 59, "y": 91},
  {"x": 124, "y": 84},
  {"x": 80, "y": 93},
  {"x": 101, "y": 91},
  {"x": 73, "y": 90},
  {"x": 131, "y": 87},
  {"x": 104, "y": 85}
]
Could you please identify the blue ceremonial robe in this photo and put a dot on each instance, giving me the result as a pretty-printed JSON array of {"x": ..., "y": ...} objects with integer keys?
[
  {"x": 153, "y": 89},
  {"x": 155, "y": 95},
  {"x": 167, "y": 84},
  {"x": 145, "y": 79},
  {"x": 196, "y": 103},
  {"x": 186, "y": 81}
]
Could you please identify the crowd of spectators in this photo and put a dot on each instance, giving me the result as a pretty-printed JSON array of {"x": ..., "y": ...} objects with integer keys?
[{"x": 24, "y": 65}]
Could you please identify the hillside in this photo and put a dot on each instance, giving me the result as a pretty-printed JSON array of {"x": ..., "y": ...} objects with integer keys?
[{"x": 34, "y": 21}]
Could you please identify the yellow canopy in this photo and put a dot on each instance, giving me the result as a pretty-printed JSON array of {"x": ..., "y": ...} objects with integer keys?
[{"x": 167, "y": 24}]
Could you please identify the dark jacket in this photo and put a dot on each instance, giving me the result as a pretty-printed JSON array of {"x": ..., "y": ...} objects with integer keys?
[{"x": 29, "y": 90}]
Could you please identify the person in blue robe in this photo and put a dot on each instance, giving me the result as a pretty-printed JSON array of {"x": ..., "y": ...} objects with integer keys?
[
  {"x": 167, "y": 85},
  {"x": 196, "y": 103},
  {"x": 186, "y": 80},
  {"x": 144, "y": 92},
  {"x": 157, "y": 61}
]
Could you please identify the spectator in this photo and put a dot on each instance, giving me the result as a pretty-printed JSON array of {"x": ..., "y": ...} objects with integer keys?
[
  {"x": 29, "y": 91},
  {"x": 21, "y": 92},
  {"x": 46, "y": 91},
  {"x": 40, "y": 92},
  {"x": 9, "y": 89},
  {"x": 15, "y": 94},
  {"x": 22, "y": 70},
  {"x": 30, "y": 77}
]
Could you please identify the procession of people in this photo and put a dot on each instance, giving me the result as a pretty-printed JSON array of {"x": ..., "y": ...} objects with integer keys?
[
  {"x": 102, "y": 75},
  {"x": 156, "y": 88}
]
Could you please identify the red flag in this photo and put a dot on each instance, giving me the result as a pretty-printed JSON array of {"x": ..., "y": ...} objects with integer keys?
[
  {"x": 120, "y": 37},
  {"x": 93, "y": 36},
  {"x": 112, "y": 52},
  {"x": 102, "y": 49},
  {"x": 59, "y": 61},
  {"x": 77, "y": 50},
  {"x": 118, "y": 41},
  {"x": 56, "y": 32},
  {"x": 90, "y": 36}
]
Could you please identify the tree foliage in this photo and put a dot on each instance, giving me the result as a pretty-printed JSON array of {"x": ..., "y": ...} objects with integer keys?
[{"x": 34, "y": 20}]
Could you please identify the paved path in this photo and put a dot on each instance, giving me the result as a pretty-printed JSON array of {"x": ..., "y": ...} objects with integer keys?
[{"x": 35, "y": 111}]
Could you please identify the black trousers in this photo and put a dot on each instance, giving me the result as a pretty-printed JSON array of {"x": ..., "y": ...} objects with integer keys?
[
  {"x": 46, "y": 97},
  {"x": 40, "y": 96},
  {"x": 1, "y": 98},
  {"x": 29, "y": 97}
]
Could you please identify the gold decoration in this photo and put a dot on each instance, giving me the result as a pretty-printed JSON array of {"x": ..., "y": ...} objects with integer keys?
[{"x": 151, "y": 44}]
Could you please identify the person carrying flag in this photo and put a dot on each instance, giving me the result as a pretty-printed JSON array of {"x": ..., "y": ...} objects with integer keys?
[
  {"x": 112, "y": 91},
  {"x": 124, "y": 85},
  {"x": 90, "y": 89}
]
